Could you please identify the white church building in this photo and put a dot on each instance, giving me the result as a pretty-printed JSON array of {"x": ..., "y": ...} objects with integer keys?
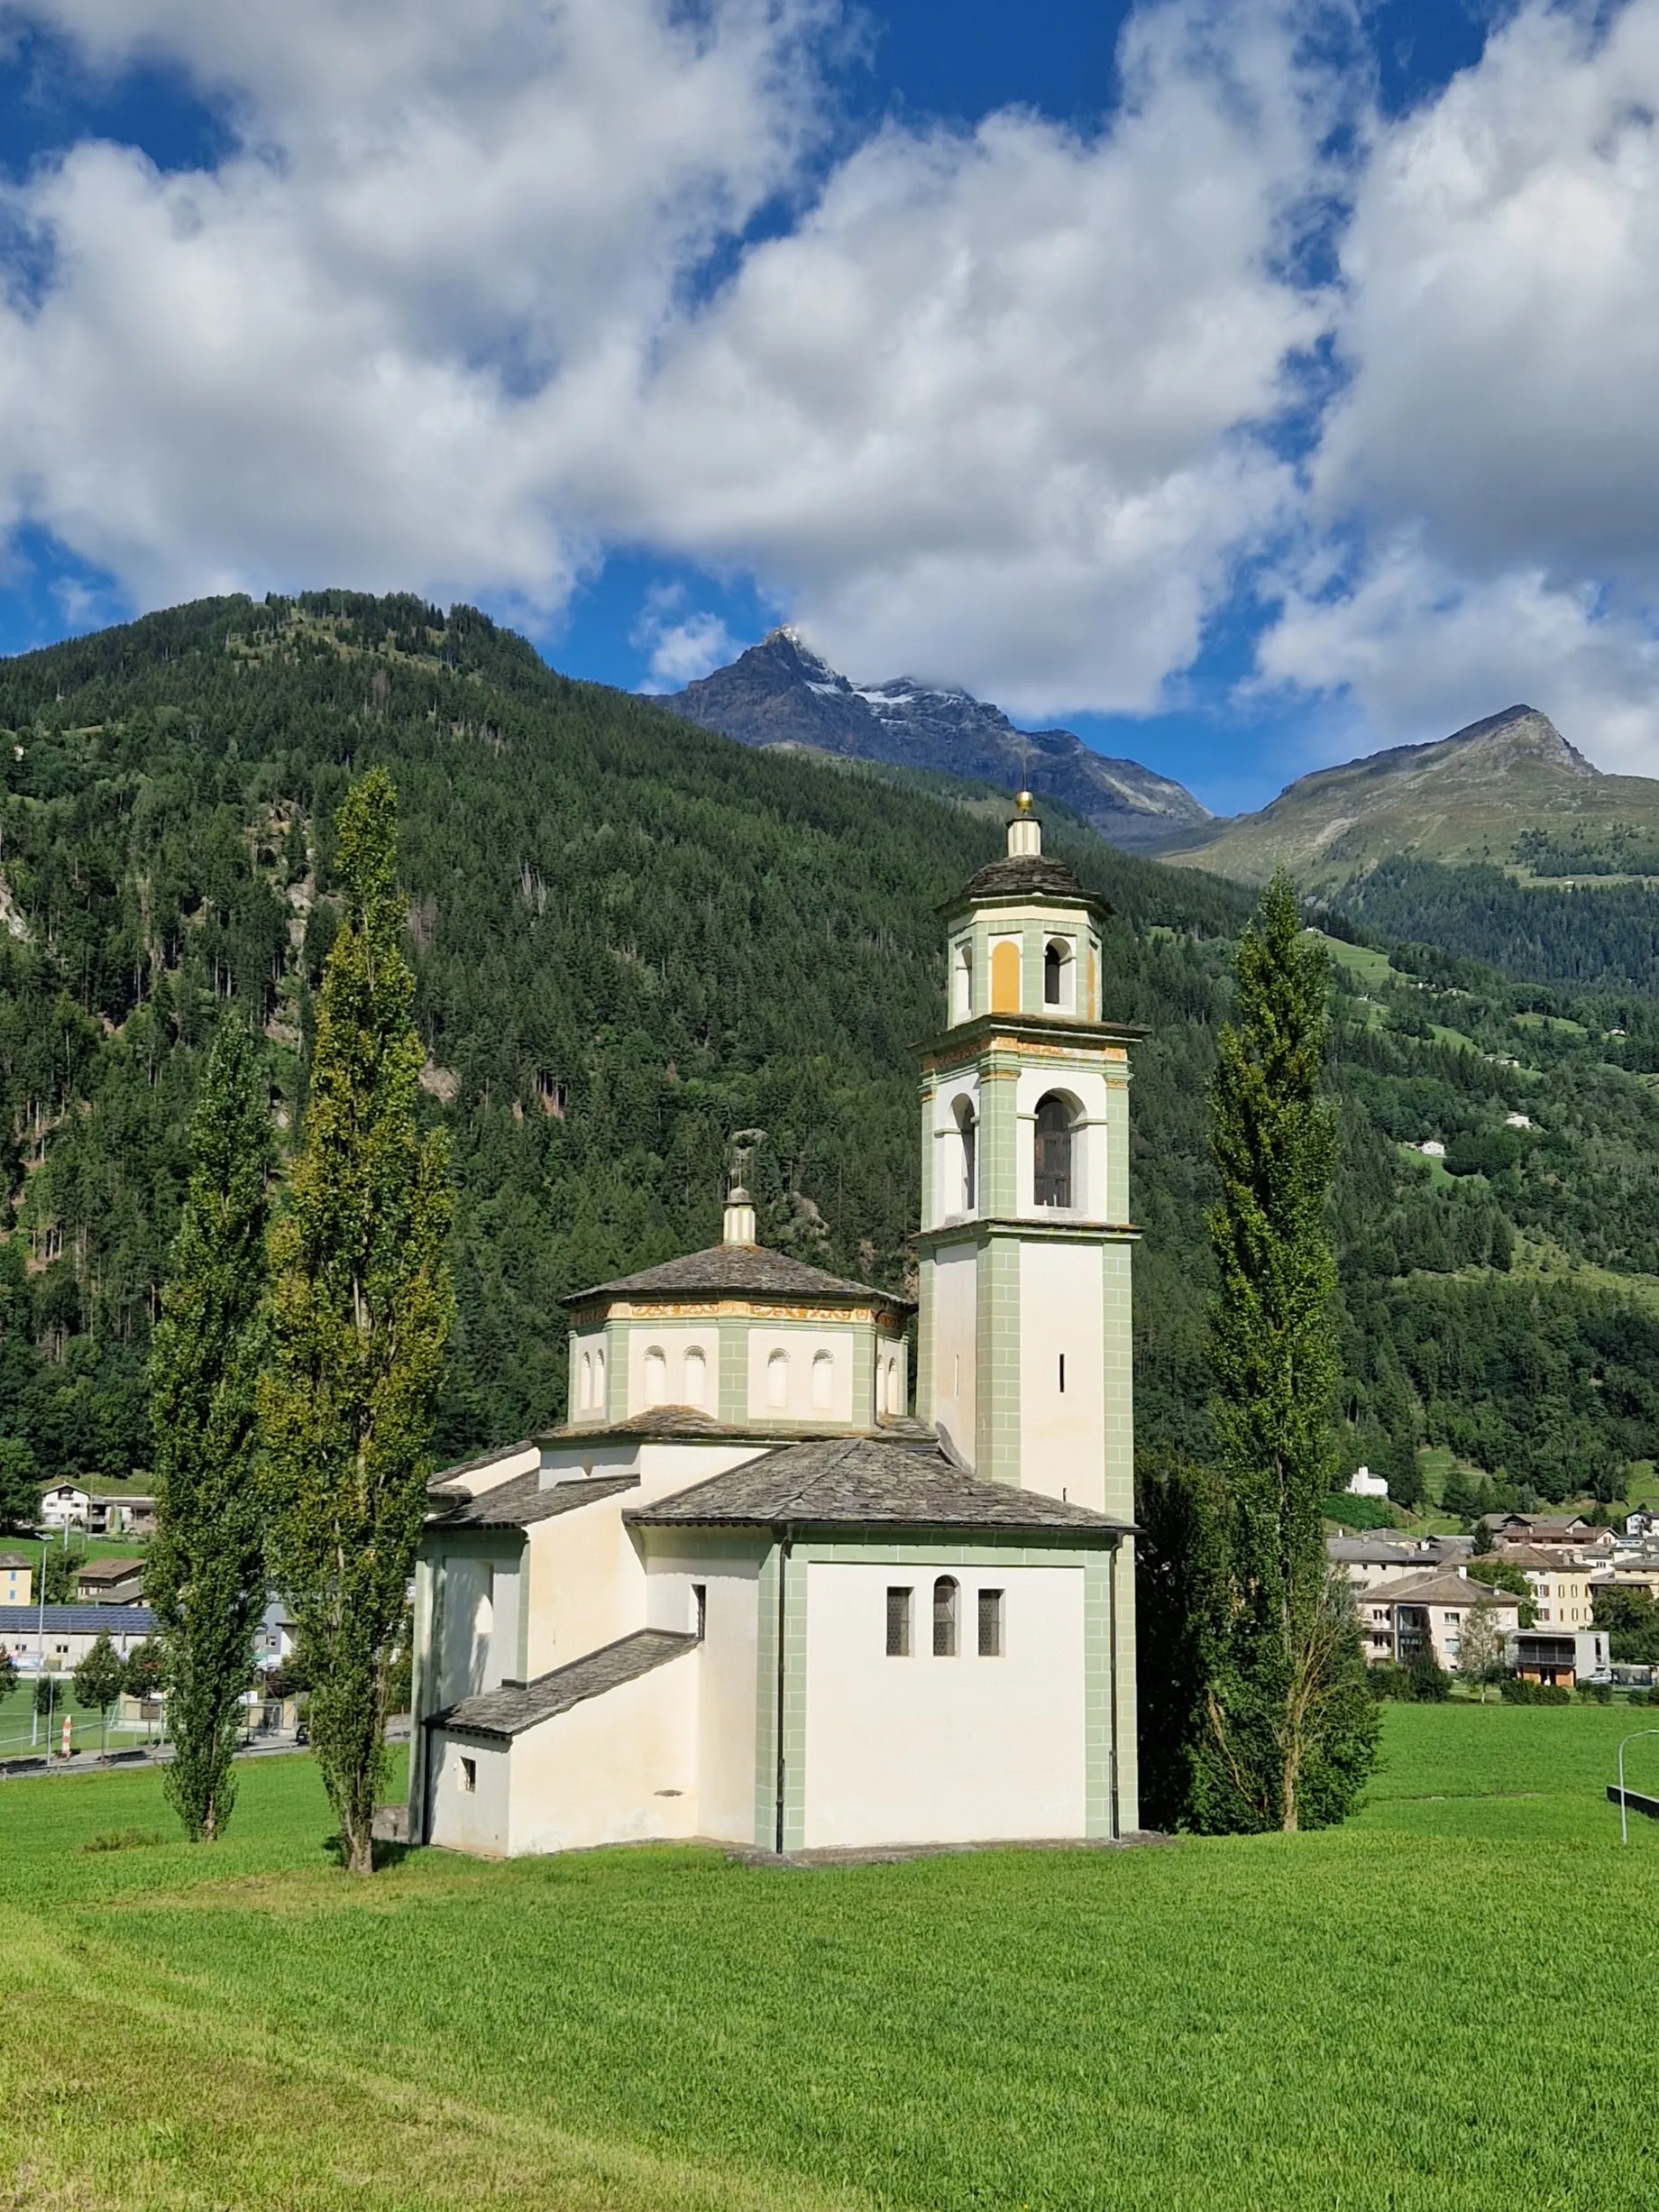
[{"x": 747, "y": 1592}]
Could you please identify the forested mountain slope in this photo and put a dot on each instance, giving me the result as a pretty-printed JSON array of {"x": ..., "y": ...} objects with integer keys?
[{"x": 634, "y": 937}]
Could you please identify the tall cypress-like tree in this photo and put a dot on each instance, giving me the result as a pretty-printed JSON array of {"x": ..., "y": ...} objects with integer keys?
[
  {"x": 1290, "y": 1732},
  {"x": 206, "y": 1572},
  {"x": 360, "y": 1315}
]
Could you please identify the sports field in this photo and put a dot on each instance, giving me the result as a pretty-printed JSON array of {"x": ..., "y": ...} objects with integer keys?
[{"x": 1446, "y": 2005}]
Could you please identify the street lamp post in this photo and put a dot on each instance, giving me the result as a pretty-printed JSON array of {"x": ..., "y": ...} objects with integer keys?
[
  {"x": 1624, "y": 1810},
  {"x": 39, "y": 1647}
]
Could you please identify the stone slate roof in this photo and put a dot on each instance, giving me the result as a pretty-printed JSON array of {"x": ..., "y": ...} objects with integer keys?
[
  {"x": 1436, "y": 1589},
  {"x": 1028, "y": 875},
  {"x": 742, "y": 1269},
  {"x": 515, "y": 1706},
  {"x": 861, "y": 1482},
  {"x": 654, "y": 1421},
  {"x": 1529, "y": 1555},
  {"x": 516, "y": 1503}
]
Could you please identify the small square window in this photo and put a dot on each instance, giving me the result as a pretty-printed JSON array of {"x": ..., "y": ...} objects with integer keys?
[
  {"x": 898, "y": 1623},
  {"x": 469, "y": 1774},
  {"x": 990, "y": 1624}
]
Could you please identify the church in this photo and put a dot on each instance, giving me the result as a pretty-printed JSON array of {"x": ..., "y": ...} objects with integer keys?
[{"x": 750, "y": 1592}]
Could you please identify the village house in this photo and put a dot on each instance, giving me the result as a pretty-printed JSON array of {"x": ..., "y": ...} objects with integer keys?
[
  {"x": 1398, "y": 1617},
  {"x": 1558, "y": 1583},
  {"x": 16, "y": 1579},
  {"x": 118, "y": 1514},
  {"x": 1561, "y": 1657},
  {"x": 748, "y": 1591},
  {"x": 1569, "y": 1534},
  {"x": 1363, "y": 1560},
  {"x": 110, "y": 1582}
]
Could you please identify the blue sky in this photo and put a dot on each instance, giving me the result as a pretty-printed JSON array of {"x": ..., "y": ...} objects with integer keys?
[{"x": 1241, "y": 385}]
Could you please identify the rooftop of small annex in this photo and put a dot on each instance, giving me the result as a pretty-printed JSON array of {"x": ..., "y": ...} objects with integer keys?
[
  {"x": 865, "y": 1481},
  {"x": 514, "y": 1706},
  {"x": 522, "y": 1499}
]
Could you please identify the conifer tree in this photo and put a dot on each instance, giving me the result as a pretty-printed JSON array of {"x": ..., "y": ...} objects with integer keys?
[
  {"x": 99, "y": 1680},
  {"x": 360, "y": 1314},
  {"x": 206, "y": 1572},
  {"x": 1291, "y": 1731}
]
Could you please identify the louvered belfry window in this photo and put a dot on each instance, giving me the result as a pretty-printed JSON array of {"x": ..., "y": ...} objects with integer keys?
[{"x": 1052, "y": 1180}]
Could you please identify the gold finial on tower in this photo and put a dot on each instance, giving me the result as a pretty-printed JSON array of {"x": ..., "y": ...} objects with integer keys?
[{"x": 1025, "y": 831}]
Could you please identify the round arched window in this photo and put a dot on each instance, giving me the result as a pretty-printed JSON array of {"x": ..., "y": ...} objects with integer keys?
[
  {"x": 823, "y": 1382},
  {"x": 777, "y": 1380},
  {"x": 696, "y": 1377},
  {"x": 657, "y": 1377}
]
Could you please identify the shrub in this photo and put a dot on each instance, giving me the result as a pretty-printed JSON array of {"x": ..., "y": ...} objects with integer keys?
[
  {"x": 1430, "y": 1683},
  {"x": 1518, "y": 1693},
  {"x": 1388, "y": 1679}
]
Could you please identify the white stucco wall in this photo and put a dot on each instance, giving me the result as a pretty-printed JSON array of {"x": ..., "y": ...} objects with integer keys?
[
  {"x": 725, "y": 1665},
  {"x": 462, "y": 1820},
  {"x": 1062, "y": 1433},
  {"x": 800, "y": 1346},
  {"x": 477, "y": 1627},
  {"x": 673, "y": 1344},
  {"x": 959, "y": 1750},
  {"x": 489, "y": 1473},
  {"x": 594, "y": 1405},
  {"x": 621, "y": 1768},
  {"x": 955, "y": 1345},
  {"x": 587, "y": 1572}
]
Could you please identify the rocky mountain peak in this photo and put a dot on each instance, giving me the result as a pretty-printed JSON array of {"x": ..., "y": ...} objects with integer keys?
[
  {"x": 1519, "y": 733},
  {"x": 781, "y": 692}
]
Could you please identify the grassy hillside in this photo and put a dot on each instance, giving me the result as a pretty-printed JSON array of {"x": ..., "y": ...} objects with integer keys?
[
  {"x": 1467, "y": 797},
  {"x": 632, "y": 937},
  {"x": 1217, "y": 2027}
]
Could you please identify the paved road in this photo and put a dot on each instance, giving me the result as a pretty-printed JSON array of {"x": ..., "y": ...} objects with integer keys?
[{"x": 158, "y": 1755}]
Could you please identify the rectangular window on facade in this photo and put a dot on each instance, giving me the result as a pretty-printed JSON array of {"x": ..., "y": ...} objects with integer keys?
[
  {"x": 990, "y": 1624},
  {"x": 700, "y": 1600},
  {"x": 898, "y": 1623},
  {"x": 469, "y": 1774}
]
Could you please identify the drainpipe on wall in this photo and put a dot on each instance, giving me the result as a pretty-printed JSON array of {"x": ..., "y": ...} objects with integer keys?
[
  {"x": 1117, "y": 1555},
  {"x": 786, "y": 1542}
]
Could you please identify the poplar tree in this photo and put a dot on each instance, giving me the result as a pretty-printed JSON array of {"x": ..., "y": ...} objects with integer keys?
[
  {"x": 204, "y": 1575},
  {"x": 1291, "y": 1731},
  {"x": 360, "y": 1314}
]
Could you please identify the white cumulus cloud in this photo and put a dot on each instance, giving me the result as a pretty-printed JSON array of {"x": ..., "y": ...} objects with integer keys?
[
  {"x": 1497, "y": 449},
  {"x": 987, "y": 408}
]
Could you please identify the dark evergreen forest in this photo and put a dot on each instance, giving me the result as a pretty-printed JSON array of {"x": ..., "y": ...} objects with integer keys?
[
  {"x": 634, "y": 937},
  {"x": 1597, "y": 933}
]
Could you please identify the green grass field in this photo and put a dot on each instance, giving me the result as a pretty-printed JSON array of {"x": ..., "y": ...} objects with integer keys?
[{"x": 1436, "y": 2008}]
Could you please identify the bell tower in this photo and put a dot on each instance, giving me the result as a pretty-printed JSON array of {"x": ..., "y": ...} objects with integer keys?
[{"x": 1023, "y": 1341}]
